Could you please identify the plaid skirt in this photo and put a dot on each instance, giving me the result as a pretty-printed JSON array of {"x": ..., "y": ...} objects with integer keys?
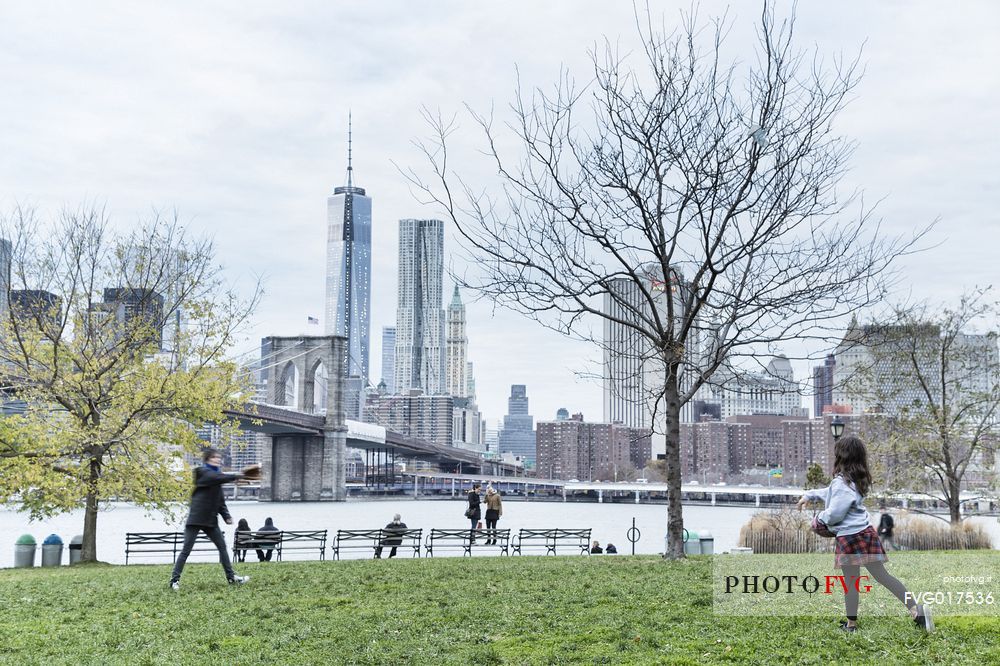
[{"x": 858, "y": 549}]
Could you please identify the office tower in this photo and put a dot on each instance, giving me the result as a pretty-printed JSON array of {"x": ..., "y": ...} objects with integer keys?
[
  {"x": 470, "y": 382},
  {"x": 6, "y": 250},
  {"x": 348, "y": 280},
  {"x": 33, "y": 307},
  {"x": 467, "y": 430},
  {"x": 823, "y": 384},
  {"x": 518, "y": 435},
  {"x": 389, "y": 358},
  {"x": 420, "y": 348},
  {"x": 457, "y": 346},
  {"x": 134, "y": 308}
]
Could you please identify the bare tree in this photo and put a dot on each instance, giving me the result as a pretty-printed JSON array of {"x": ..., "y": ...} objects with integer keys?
[
  {"x": 115, "y": 345},
  {"x": 935, "y": 386},
  {"x": 688, "y": 200}
]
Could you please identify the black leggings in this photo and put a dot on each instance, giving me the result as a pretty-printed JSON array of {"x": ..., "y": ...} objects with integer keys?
[{"x": 884, "y": 578}]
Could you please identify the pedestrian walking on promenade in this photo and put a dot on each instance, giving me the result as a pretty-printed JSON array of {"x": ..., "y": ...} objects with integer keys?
[
  {"x": 494, "y": 509},
  {"x": 857, "y": 542},
  {"x": 472, "y": 512},
  {"x": 207, "y": 504}
]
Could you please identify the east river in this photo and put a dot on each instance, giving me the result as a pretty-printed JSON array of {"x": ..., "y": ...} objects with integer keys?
[{"x": 609, "y": 522}]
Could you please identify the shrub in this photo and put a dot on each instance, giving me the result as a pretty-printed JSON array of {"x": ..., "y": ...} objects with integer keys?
[
  {"x": 915, "y": 532},
  {"x": 784, "y": 531}
]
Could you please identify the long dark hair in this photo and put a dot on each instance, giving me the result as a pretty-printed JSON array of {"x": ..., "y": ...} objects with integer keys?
[{"x": 851, "y": 462}]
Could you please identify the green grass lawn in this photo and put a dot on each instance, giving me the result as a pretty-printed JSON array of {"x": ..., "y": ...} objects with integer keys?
[{"x": 530, "y": 610}]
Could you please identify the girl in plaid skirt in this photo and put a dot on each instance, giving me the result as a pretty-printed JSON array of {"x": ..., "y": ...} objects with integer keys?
[{"x": 858, "y": 543}]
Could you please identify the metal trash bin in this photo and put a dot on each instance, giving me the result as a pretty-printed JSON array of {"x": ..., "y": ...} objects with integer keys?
[
  {"x": 707, "y": 543},
  {"x": 52, "y": 549},
  {"x": 692, "y": 545},
  {"x": 75, "y": 548},
  {"x": 24, "y": 551}
]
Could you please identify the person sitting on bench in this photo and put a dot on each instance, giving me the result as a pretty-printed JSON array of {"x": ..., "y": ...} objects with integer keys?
[{"x": 393, "y": 538}]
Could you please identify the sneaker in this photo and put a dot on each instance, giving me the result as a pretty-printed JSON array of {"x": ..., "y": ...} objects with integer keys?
[
  {"x": 924, "y": 620},
  {"x": 238, "y": 580},
  {"x": 175, "y": 585},
  {"x": 846, "y": 627}
]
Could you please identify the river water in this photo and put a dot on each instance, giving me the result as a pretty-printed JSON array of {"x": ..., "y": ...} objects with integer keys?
[{"x": 609, "y": 522}]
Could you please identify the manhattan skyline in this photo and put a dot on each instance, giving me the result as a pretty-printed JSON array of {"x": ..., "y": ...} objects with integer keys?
[{"x": 236, "y": 120}]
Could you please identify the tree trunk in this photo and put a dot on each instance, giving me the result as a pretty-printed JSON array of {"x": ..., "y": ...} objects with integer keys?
[
  {"x": 88, "y": 551},
  {"x": 672, "y": 435},
  {"x": 954, "y": 500}
]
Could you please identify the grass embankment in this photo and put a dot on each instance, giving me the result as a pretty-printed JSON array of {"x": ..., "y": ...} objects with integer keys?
[{"x": 532, "y": 610}]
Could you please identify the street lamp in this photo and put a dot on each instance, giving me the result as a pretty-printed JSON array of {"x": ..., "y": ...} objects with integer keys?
[{"x": 836, "y": 427}]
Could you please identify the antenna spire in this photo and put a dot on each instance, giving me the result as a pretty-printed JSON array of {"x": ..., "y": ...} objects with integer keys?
[{"x": 349, "y": 167}]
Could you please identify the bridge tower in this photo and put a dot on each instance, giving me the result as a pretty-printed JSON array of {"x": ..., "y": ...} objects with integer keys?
[{"x": 307, "y": 374}]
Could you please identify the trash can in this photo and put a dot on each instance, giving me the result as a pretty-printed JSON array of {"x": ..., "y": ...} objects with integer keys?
[
  {"x": 52, "y": 549},
  {"x": 692, "y": 546},
  {"x": 75, "y": 548},
  {"x": 24, "y": 551},
  {"x": 707, "y": 543}
]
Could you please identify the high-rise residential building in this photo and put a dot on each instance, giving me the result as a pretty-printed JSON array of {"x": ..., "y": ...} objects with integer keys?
[
  {"x": 389, "y": 358},
  {"x": 518, "y": 434},
  {"x": 457, "y": 344},
  {"x": 414, "y": 414},
  {"x": 348, "y": 280},
  {"x": 420, "y": 341},
  {"x": 574, "y": 449},
  {"x": 823, "y": 384}
]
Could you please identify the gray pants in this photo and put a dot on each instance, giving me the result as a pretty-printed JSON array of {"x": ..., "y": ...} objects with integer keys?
[{"x": 215, "y": 534}]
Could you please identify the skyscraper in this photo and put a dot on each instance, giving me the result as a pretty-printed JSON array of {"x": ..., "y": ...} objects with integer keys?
[
  {"x": 518, "y": 433},
  {"x": 348, "y": 279},
  {"x": 389, "y": 358},
  {"x": 823, "y": 384},
  {"x": 457, "y": 345},
  {"x": 420, "y": 348}
]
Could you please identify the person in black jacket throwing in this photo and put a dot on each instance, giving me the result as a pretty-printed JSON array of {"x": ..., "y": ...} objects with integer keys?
[{"x": 207, "y": 504}]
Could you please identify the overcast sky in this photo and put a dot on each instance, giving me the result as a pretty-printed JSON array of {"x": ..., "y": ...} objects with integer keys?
[{"x": 235, "y": 114}]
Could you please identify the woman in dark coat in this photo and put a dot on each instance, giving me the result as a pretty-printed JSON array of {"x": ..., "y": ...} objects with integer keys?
[
  {"x": 242, "y": 528},
  {"x": 473, "y": 513}
]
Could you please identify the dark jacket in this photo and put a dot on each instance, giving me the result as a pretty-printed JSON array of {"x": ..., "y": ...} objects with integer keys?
[
  {"x": 265, "y": 543},
  {"x": 474, "y": 505},
  {"x": 207, "y": 502},
  {"x": 394, "y": 528},
  {"x": 885, "y": 525}
]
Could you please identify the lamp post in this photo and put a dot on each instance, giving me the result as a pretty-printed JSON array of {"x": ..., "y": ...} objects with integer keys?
[{"x": 836, "y": 427}]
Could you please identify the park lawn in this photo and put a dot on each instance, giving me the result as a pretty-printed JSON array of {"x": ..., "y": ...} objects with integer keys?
[{"x": 484, "y": 610}]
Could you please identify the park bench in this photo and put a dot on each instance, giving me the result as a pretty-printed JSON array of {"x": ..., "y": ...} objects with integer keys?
[
  {"x": 372, "y": 539},
  {"x": 255, "y": 540},
  {"x": 443, "y": 539},
  {"x": 302, "y": 540},
  {"x": 154, "y": 544},
  {"x": 549, "y": 540}
]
